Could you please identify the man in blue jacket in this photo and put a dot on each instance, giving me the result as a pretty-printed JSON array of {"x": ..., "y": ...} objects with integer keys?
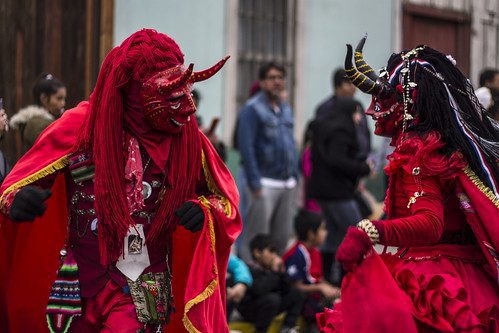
[{"x": 266, "y": 143}]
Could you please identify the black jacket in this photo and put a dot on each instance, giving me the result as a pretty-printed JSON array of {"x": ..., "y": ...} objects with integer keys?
[
  {"x": 266, "y": 281},
  {"x": 336, "y": 167},
  {"x": 363, "y": 133}
]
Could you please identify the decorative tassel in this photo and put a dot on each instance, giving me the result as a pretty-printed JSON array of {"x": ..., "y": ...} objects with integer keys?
[{"x": 64, "y": 299}]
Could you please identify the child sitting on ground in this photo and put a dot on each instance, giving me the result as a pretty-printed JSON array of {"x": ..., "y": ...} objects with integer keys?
[
  {"x": 304, "y": 264},
  {"x": 238, "y": 280},
  {"x": 271, "y": 292}
]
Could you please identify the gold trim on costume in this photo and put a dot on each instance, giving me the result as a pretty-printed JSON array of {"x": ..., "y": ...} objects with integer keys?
[
  {"x": 48, "y": 170},
  {"x": 206, "y": 203},
  {"x": 199, "y": 298},
  {"x": 481, "y": 186},
  {"x": 212, "y": 187},
  {"x": 210, "y": 289},
  {"x": 209, "y": 180}
]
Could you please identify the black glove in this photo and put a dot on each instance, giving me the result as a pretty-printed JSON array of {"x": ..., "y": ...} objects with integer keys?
[
  {"x": 28, "y": 203},
  {"x": 191, "y": 216}
]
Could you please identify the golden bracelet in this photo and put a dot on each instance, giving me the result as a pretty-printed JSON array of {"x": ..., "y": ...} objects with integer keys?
[{"x": 369, "y": 228}]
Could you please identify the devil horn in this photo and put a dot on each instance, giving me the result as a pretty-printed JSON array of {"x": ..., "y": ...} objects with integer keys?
[
  {"x": 207, "y": 73},
  {"x": 180, "y": 80},
  {"x": 361, "y": 64},
  {"x": 360, "y": 80}
]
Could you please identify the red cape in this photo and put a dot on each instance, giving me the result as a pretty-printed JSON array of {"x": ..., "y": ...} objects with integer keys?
[
  {"x": 483, "y": 217},
  {"x": 29, "y": 252}
]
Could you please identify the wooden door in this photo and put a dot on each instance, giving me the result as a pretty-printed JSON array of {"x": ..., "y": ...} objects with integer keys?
[
  {"x": 65, "y": 38},
  {"x": 444, "y": 30}
]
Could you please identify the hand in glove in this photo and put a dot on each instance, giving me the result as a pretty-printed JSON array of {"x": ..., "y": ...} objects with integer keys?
[
  {"x": 28, "y": 203},
  {"x": 353, "y": 248},
  {"x": 191, "y": 216}
]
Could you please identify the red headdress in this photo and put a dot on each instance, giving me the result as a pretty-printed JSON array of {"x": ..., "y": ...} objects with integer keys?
[{"x": 116, "y": 107}]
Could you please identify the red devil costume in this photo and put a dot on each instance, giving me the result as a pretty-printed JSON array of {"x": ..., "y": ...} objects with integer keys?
[
  {"x": 442, "y": 206},
  {"x": 125, "y": 169}
]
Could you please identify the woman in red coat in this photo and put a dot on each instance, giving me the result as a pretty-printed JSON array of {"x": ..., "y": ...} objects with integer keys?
[{"x": 442, "y": 206}]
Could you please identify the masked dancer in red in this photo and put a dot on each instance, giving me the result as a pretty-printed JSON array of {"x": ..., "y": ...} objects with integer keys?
[
  {"x": 142, "y": 213},
  {"x": 442, "y": 206}
]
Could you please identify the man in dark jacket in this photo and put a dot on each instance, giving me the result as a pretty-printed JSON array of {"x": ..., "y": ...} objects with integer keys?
[
  {"x": 336, "y": 170},
  {"x": 344, "y": 88}
]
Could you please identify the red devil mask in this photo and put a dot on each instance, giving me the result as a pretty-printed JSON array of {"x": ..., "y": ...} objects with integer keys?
[
  {"x": 387, "y": 113},
  {"x": 166, "y": 96},
  {"x": 393, "y": 93}
]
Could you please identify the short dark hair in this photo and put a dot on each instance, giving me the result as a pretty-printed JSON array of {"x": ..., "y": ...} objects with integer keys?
[
  {"x": 265, "y": 68},
  {"x": 339, "y": 76},
  {"x": 487, "y": 75},
  {"x": 261, "y": 242},
  {"x": 46, "y": 84},
  {"x": 306, "y": 221}
]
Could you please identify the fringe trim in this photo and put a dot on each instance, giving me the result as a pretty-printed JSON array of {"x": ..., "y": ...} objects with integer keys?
[
  {"x": 201, "y": 297},
  {"x": 481, "y": 186},
  {"x": 210, "y": 289},
  {"x": 206, "y": 203},
  {"x": 48, "y": 170}
]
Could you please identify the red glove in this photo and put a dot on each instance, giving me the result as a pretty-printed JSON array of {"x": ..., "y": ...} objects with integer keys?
[{"x": 353, "y": 248}]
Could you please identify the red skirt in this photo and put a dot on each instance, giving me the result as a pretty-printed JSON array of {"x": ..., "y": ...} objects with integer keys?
[{"x": 442, "y": 288}]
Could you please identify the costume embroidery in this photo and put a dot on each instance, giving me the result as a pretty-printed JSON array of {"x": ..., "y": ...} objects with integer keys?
[
  {"x": 481, "y": 186},
  {"x": 152, "y": 296},
  {"x": 64, "y": 299}
]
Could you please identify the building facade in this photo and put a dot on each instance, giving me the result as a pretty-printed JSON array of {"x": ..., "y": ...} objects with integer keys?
[{"x": 70, "y": 39}]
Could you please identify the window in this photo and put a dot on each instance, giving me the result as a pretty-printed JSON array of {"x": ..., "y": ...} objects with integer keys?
[{"x": 266, "y": 33}]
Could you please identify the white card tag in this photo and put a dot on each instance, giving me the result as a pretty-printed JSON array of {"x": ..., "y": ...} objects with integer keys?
[{"x": 136, "y": 256}]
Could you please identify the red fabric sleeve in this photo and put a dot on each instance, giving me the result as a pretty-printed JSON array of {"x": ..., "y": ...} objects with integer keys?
[{"x": 425, "y": 223}]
